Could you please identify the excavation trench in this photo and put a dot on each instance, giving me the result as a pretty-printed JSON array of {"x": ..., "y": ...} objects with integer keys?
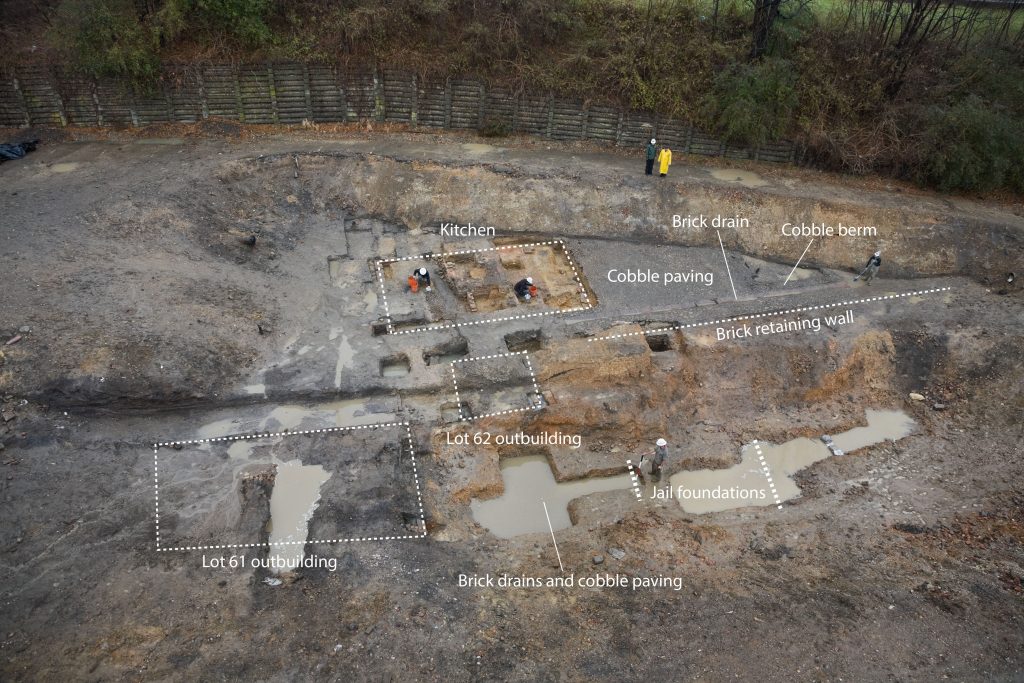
[
  {"x": 593, "y": 209},
  {"x": 747, "y": 484},
  {"x": 331, "y": 471},
  {"x": 619, "y": 395},
  {"x": 531, "y": 495},
  {"x": 294, "y": 499},
  {"x": 163, "y": 324},
  {"x": 529, "y": 486}
]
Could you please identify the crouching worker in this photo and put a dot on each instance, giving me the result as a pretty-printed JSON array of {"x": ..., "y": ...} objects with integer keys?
[
  {"x": 525, "y": 289},
  {"x": 419, "y": 277}
]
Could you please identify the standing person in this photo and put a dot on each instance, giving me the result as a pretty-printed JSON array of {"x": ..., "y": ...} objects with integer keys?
[
  {"x": 664, "y": 161},
  {"x": 658, "y": 459},
  {"x": 422, "y": 277},
  {"x": 871, "y": 269},
  {"x": 652, "y": 154}
]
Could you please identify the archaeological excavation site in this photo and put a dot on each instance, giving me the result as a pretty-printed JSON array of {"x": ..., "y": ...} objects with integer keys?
[{"x": 294, "y": 405}]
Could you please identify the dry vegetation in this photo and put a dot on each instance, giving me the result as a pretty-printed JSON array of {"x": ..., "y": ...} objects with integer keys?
[{"x": 931, "y": 91}]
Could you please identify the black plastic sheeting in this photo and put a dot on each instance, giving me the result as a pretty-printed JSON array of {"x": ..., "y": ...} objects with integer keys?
[{"x": 16, "y": 150}]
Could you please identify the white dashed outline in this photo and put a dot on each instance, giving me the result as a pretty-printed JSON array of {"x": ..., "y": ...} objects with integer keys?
[
  {"x": 750, "y": 316},
  {"x": 384, "y": 296},
  {"x": 455, "y": 383},
  {"x": 767, "y": 472},
  {"x": 533, "y": 380},
  {"x": 238, "y": 437},
  {"x": 636, "y": 480},
  {"x": 447, "y": 326}
]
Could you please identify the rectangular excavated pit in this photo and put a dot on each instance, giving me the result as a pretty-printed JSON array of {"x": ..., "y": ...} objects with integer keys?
[
  {"x": 455, "y": 412},
  {"x": 333, "y": 268},
  {"x": 659, "y": 342},
  {"x": 446, "y": 353},
  {"x": 498, "y": 384},
  {"x": 395, "y": 366},
  {"x": 524, "y": 340},
  {"x": 480, "y": 282},
  {"x": 411, "y": 323},
  {"x": 490, "y": 298}
]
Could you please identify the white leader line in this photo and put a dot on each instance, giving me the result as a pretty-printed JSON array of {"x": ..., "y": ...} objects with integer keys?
[
  {"x": 727, "y": 270},
  {"x": 798, "y": 262},
  {"x": 557, "y": 554}
]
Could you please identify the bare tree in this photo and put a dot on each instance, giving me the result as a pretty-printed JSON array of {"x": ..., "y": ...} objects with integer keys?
[
  {"x": 900, "y": 30},
  {"x": 1014, "y": 6},
  {"x": 766, "y": 12}
]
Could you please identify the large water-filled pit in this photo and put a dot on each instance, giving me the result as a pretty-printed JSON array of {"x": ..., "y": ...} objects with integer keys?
[{"x": 529, "y": 485}]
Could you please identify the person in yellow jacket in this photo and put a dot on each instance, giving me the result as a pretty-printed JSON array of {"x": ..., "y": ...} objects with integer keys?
[{"x": 664, "y": 161}]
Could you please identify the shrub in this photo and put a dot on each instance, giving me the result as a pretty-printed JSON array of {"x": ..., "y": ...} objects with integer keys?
[
  {"x": 495, "y": 128},
  {"x": 971, "y": 146},
  {"x": 753, "y": 103},
  {"x": 107, "y": 38},
  {"x": 244, "y": 20}
]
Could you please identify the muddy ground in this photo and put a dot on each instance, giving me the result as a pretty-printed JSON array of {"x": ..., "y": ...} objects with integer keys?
[{"x": 146, "y": 318}]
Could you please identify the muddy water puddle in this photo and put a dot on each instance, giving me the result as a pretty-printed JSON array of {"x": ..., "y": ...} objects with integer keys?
[
  {"x": 293, "y": 501},
  {"x": 291, "y": 417},
  {"x": 744, "y": 178},
  {"x": 529, "y": 481},
  {"x": 345, "y": 355},
  {"x": 882, "y": 425},
  {"x": 478, "y": 148},
  {"x": 745, "y": 485}
]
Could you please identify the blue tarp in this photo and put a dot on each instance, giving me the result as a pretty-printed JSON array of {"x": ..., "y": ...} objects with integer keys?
[{"x": 16, "y": 150}]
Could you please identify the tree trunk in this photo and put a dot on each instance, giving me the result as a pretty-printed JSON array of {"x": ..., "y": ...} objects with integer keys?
[{"x": 765, "y": 12}]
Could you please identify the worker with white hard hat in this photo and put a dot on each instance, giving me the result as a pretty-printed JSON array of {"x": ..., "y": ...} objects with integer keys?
[
  {"x": 525, "y": 288},
  {"x": 660, "y": 455},
  {"x": 422, "y": 277},
  {"x": 652, "y": 154},
  {"x": 871, "y": 269}
]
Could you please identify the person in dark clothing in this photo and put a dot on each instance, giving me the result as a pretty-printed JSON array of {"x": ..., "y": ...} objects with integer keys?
[
  {"x": 652, "y": 154},
  {"x": 423, "y": 277},
  {"x": 657, "y": 459},
  {"x": 871, "y": 269},
  {"x": 523, "y": 288}
]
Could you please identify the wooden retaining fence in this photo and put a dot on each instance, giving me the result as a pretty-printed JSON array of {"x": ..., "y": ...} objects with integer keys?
[{"x": 291, "y": 93}]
